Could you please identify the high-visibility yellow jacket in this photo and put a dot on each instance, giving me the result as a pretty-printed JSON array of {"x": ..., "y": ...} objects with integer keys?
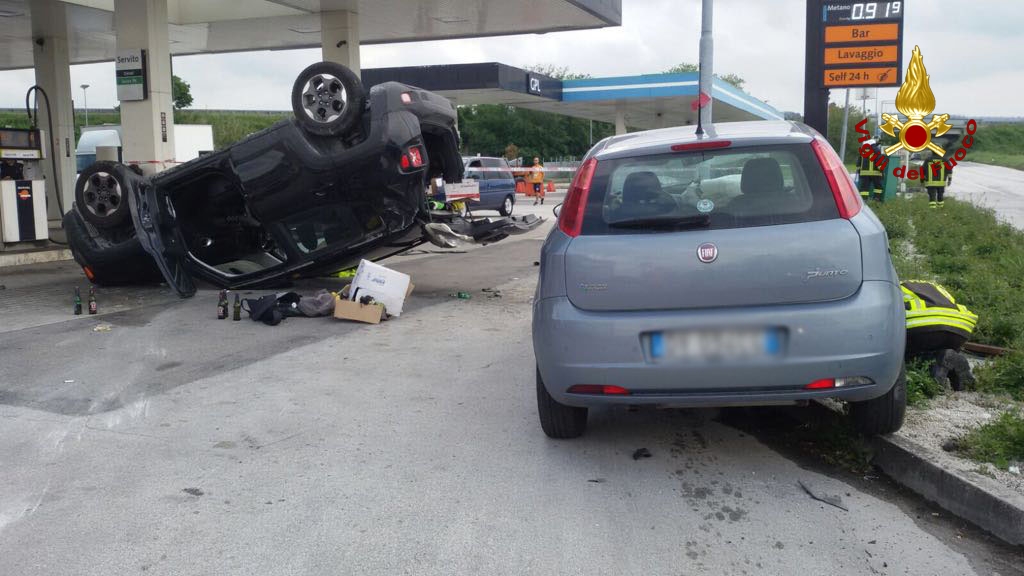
[
  {"x": 866, "y": 167},
  {"x": 537, "y": 176},
  {"x": 933, "y": 180},
  {"x": 930, "y": 308}
]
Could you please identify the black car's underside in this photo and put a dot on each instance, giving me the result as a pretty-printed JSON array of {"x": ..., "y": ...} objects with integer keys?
[{"x": 288, "y": 201}]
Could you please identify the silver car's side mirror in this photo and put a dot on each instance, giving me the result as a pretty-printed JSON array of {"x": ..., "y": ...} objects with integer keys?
[{"x": 557, "y": 209}]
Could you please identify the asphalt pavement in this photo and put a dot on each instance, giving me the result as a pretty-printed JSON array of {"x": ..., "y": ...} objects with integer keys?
[
  {"x": 169, "y": 442},
  {"x": 996, "y": 187}
]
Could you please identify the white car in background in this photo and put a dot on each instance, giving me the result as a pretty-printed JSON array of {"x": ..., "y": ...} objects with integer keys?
[{"x": 190, "y": 140}]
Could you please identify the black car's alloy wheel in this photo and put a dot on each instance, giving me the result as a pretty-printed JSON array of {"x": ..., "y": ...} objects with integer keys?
[
  {"x": 327, "y": 99},
  {"x": 100, "y": 195}
]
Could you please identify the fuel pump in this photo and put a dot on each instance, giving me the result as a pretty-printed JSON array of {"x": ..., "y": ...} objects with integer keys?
[{"x": 22, "y": 187}]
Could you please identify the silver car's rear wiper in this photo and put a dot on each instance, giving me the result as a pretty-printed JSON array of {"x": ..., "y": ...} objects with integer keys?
[{"x": 676, "y": 222}]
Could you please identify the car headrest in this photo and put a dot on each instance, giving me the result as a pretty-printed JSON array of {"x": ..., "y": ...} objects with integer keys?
[
  {"x": 641, "y": 187},
  {"x": 761, "y": 176}
]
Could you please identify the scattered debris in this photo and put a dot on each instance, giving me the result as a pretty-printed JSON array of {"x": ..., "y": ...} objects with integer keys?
[
  {"x": 69, "y": 381},
  {"x": 102, "y": 328},
  {"x": 597, "y": 480},
  {"x": 494, "y": 292},
  {"x": 319, "y": 304},
  {"x": 193, "y": 491},
  {"x": 986, "y": 350},
  {"x": 370, "y": 313},
  {"x": 387, "y": 286},
  {"x": 461, "y": 295},
  {"x": 641, "y": 453},
  {"x": 1014, "y": 470},
  {"x": 536, "y": 263},
  {"x": 367, "y": 309},
  {"x": 830, "y": 500},
  {"x": 222, "y": 305}
]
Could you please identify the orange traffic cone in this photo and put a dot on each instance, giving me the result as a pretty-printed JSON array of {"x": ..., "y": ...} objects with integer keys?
[
  {"x": 520, "y": 187},
  {"x": 551, "y": 185}
]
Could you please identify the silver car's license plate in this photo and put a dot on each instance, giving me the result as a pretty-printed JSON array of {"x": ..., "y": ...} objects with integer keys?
[{"x": 715, "y": 344}]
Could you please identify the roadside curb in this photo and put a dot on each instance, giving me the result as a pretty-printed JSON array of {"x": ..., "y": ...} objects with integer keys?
[{"x": 973, "y": 497}]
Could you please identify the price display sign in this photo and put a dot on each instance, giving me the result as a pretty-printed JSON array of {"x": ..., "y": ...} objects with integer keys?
[{"x": 863, "y": 43}]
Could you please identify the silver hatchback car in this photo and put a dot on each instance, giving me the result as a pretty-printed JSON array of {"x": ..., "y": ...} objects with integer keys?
[{"x": 738, "y": 267}]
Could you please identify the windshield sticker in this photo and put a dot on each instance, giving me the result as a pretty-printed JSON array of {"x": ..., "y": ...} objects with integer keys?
[{"x": 705, "y": 205}]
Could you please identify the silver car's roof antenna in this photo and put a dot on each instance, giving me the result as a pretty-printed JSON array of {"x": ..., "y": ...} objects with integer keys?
[{"x": 700, "y": 129}]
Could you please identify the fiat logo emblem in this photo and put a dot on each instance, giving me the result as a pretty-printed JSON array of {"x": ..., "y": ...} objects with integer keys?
[{"x": 707, "y": 252}]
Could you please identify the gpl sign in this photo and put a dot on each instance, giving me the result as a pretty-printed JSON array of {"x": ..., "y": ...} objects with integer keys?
[{"x": 533, "y": 85}]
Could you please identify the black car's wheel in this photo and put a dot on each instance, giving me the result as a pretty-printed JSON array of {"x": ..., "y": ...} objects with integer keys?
[
  {"x": 507, "y": 205},
  {"x": 101, "y": 196},
  {"x": 882, "y": 415},
  {"x": 327, "y": 99},
  {"x": 109, "y": 262},
  {"x": 558, "y": 420}
]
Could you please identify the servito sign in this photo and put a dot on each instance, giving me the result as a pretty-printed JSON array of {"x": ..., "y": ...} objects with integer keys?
[{"x": 132, "y": 77}]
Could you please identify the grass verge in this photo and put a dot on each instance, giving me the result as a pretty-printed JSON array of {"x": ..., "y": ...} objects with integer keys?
[
  {"x": 980, "y": 260},
  {"x": 1000, "y": 442},
  {"x": 921, "y": 387},
  {"x": 1009, "y": 160}
]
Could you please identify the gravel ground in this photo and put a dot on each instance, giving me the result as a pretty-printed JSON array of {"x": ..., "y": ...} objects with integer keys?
[{"x": 951, "y": 416}]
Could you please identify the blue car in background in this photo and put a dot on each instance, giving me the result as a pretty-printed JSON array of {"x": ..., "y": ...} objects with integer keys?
[{"x": 497, "y": 185}]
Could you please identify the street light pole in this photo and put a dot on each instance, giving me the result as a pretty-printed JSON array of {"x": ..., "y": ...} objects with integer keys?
[
  {"x": 846, "y": 122},
  {"x": 85, "y": 102}
]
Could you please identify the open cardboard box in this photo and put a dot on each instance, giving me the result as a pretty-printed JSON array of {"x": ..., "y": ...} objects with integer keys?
[{"x": 345, "y": 309}]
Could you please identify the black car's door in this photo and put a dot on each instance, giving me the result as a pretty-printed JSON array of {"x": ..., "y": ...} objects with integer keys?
[{"x": 157, "y": 231}]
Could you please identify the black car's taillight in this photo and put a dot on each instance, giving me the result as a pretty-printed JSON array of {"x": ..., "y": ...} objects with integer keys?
[{"x": 412, "y": 158}]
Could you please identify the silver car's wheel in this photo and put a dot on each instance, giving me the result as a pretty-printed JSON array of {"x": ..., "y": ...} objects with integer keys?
[
  {"x": 100, "y": 195},
  {"x": 882, "y": 415},
  {"x": 556, "y": 419},
  {"x": 327, "y": 99}
]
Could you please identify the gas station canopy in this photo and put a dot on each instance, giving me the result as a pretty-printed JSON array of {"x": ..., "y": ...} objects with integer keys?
[
  {"x": 643, "y": 102},
  {"x": 208, "y": 26}
]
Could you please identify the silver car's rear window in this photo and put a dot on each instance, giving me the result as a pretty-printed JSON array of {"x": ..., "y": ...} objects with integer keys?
[{"x": 728, "y": 188}]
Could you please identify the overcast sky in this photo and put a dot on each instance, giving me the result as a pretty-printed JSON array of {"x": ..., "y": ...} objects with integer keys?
[{"x": 974, "y": 52}]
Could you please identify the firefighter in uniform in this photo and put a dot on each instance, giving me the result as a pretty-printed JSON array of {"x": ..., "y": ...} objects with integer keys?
[
  {"x": 934, "y": 320},
  {"x": 935, "y": 182},
  {"x": 869, "y": 177}
]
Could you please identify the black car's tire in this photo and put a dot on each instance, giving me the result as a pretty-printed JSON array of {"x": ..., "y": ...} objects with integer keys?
[
  {"x": 558, "y": 420},
  {"x": 101, "y": 195},
  {"x": 507, "y": 205},
  {"x": 882, "y": 415},
  {"x": 112, "y": 263},
  {"x": 327, "y": 99}
]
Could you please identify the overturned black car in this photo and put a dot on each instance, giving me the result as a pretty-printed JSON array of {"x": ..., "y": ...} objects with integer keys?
[{"x": 345, "y": 179}]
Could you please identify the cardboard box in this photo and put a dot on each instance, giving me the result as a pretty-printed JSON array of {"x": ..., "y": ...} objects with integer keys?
[
  {"x": 349, "y": 310},
  {"x": 387, "y": 286}
]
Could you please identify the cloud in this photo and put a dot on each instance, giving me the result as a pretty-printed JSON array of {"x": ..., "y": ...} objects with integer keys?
[{"x": 972, "y": 50}]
